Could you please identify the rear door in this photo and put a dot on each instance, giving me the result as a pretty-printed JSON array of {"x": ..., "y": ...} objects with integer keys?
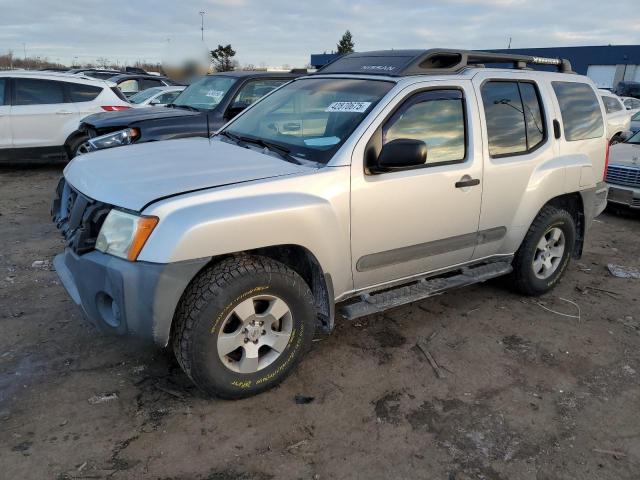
[
  {"x": 41, "y": 113},
  {"x": 5, "y": 117}
]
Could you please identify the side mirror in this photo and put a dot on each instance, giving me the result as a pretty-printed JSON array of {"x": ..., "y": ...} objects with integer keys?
[
  {"x": 155, "y": 101},
  {"x": 400, "y": 154},
  {"x": 235, "y": 109}
]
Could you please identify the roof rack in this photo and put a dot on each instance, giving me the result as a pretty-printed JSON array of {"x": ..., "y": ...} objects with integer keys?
[{"x": 437, "y": 60}]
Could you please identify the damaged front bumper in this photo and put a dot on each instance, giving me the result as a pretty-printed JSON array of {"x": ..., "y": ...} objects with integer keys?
[{"x": 126, "y": 298}]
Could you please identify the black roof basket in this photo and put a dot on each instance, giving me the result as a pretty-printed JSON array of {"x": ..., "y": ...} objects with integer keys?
[{"x": 433, "y": 61}]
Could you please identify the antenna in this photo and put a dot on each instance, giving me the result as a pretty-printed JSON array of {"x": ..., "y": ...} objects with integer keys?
[{"x": 202, "y": 14}]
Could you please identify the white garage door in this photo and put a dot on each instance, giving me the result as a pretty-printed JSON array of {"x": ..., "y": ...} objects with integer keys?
[{"x": 602, "y": 75}]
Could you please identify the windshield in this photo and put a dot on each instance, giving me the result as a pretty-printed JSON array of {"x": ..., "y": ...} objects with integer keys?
[
  {"x": 311, "y": 117},
  {"x": 636, "y": 117},
  {"x": 205, "y": 93},
  {"x": 144, "y": 95}
]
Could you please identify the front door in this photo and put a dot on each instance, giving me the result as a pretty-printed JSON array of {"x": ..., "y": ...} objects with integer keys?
[{"x": 409, "y": 222}]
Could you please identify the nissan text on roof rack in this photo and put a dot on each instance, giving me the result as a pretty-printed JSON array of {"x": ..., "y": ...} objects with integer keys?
[{"x": 385, "y": 178}]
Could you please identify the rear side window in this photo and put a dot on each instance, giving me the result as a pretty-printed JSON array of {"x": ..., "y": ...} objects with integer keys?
[
  {"x": 581, "y": 114},
  {"x": 149, "y": 83},
  {"x": 83, "y": 93},
  {"x": 611, "y": 105},
  {"x": 129, "y": 87},
  {"x": 3, "y": 89},
  {"x": 38, "y": 92},
  {"x": 437, "y": 118},
  {"x": 514, "y": 116}
]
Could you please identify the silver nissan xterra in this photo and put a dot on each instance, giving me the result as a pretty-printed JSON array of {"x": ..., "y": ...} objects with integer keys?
[{"x": 385, "y": 178}]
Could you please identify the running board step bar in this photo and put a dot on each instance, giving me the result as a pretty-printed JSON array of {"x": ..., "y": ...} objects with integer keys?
[{"x": 370, "y": 303}]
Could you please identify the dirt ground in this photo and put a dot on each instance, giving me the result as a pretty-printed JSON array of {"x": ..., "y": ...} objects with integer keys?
[{"x": 525, "y": 394}]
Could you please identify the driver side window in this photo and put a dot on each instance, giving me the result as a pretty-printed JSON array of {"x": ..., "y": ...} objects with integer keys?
[
  {"x": 435, "y": 117},
  {"x": 254, "y": 90}
]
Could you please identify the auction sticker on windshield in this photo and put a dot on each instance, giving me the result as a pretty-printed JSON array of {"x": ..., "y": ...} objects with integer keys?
[
  {"x": 215, "y": 94},
  {"x": 357, "y": 107}
]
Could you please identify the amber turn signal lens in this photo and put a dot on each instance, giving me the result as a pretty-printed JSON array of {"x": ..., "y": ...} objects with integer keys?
[{"x": 145, "y": 227}]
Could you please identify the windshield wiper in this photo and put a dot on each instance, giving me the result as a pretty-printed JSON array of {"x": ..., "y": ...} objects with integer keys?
[
  {"x": 281, "y": 150},
  {"x": 231, "y": 136},
  {"x": 186, "y": 107}
]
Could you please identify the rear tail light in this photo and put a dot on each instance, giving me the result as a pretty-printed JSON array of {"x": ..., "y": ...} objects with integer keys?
[
  {"x": 606, "y": 162},
  {"x": 114, "y": 108}
]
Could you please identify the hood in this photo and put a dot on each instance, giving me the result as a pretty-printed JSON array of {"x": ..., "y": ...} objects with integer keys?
[
  {"x": 129, "y": 117},
  {"x": 133, "y": 176},
  {"x": 625, "y": 154}
]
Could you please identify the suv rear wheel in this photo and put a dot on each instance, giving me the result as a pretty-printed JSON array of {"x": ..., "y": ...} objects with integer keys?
[
  {"x": 243, "y": 325},
  {"x": 545, "y": 252}
]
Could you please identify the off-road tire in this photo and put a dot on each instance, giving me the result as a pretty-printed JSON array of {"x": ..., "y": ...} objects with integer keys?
[
  {"x": 210, "y": 298},
  {"x": 524, "y": 278}
]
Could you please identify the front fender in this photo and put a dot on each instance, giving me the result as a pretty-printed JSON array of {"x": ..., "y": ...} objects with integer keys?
[{"x": 310, "y": 210}]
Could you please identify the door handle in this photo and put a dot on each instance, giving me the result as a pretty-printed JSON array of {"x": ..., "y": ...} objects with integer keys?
[
  {"x": 470, "y": 182},
  {"x": 64, "y": 112}
]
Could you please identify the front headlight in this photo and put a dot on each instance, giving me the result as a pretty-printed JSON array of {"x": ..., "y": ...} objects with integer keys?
[
  {"x": 123, "y": 234},
  {"x": 114, "y": 139}
]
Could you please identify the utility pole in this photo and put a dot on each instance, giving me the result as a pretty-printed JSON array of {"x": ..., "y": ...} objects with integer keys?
[
  {"x": 509, "y": 46},
  {"x": 24, "y": 48},
  {"x": 202, "y": 14}
]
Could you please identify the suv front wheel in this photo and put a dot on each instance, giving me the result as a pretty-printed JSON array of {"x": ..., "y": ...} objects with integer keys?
[
  {"x": 545, "y": 252},
  {"x": 243, "y": 325}
]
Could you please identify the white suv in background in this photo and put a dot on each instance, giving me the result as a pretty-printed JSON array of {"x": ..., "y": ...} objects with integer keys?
[
  {"x": 618, "y": 117},
  {"x": 39, "y": 111}
]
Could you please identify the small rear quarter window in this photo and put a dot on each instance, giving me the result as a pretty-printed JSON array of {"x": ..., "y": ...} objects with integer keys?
[
  {"x": 580, "y": 110},
  {"x": 83, "y": 93}
]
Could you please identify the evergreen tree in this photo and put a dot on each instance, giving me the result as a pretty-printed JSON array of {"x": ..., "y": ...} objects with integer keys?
[
  {"x": 223, "y": 58},
  {"x": 345, "y": 45}
]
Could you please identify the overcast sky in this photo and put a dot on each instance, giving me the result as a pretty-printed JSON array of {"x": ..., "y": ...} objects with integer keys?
[{"x": 277, "y": 32}]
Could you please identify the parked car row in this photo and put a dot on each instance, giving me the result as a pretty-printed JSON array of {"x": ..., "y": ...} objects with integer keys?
[
  {"x": 618, "y": 116},
  {"x": 199, "y": 110},
  {"x": 50, "y": 116}
]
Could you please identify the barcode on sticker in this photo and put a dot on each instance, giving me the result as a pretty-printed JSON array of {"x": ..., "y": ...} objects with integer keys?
[{"x": 358, "y": 107}]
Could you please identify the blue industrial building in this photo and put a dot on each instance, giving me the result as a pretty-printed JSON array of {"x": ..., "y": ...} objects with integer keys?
[{"x": 605, "y": 64}]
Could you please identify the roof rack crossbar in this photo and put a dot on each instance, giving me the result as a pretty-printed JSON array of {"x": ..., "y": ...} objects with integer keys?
[
  {"x": 451, "y": 61},
  {"x": 433, "y": 61}
]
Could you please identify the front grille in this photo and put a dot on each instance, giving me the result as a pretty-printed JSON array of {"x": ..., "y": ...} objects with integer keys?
[
  {"x": 78, "y": 217},
  {"x": 621, "y": 175}
]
